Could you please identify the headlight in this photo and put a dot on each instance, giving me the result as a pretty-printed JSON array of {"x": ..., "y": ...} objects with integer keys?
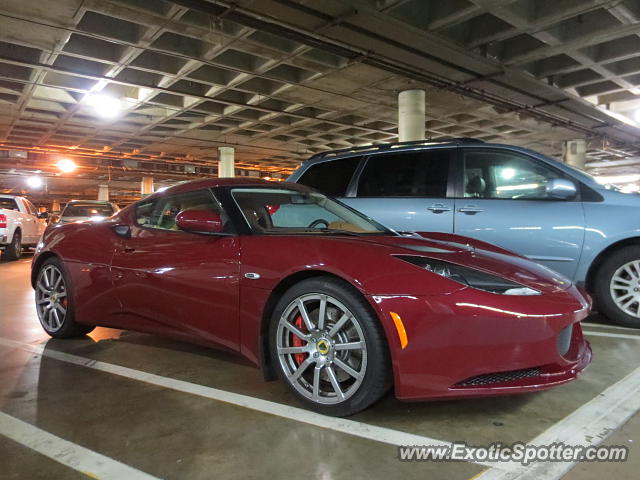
[{"x": 469, "y": 276}]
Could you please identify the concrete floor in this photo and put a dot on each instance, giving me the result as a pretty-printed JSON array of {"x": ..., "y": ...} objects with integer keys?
[{"x": 172, "y": 434}]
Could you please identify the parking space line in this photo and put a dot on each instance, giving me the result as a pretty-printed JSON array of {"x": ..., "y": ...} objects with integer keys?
[
  {"x": 342, "y": 425},
  {"x": 611, "y": 335},
  {"x": 614, "y": 327},
  {"x": 74, "y": 456},
  {"x": 589, "y": 425}
]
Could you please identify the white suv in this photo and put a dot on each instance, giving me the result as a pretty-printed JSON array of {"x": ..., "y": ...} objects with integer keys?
[{"x": 20, "y": 225}]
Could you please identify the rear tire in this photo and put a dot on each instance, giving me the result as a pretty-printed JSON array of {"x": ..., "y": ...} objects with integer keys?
[
  {"x": 54, "y": 302},
  {"x": 13, "y": 251},
  {"x": 341, "y": 364},
  {"x": 617, "y": 287}
]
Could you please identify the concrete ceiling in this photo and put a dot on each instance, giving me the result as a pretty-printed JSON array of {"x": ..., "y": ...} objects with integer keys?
[{"x": 283, "y": 79}]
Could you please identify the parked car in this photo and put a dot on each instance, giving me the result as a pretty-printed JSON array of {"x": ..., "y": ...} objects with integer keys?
[
  {"x": 513, "y": 197},
  {"x": 337, "y": 305},
  {"x": 81, "y": 210},
  {"x": 20, "y": 225}
]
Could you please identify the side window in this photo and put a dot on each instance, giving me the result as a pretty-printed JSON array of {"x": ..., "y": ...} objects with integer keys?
[
  {"x": 505, "y": 175},
  {"x": 331, "y": 178},
  {"x": 160, "y": 213},
  {"x": 31, "y": 207},
  {"x": 411, "y": 174}
]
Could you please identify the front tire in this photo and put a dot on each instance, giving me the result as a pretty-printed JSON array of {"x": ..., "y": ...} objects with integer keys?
[
  {"x": 54, "y": 302},
  {"x": 617, "y": 287},
  {"x": 14, "y": 249},
  {"x": 329, "y": 347}
]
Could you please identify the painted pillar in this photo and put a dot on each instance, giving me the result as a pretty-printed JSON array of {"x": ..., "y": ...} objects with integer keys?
[
  {"x": 226, "y": 162},
  {"x": 411, "y": 115}
]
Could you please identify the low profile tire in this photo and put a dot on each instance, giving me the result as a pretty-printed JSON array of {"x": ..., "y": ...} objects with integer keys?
[
  {"x": 13, "y": 251},
  {"x": 329, "y": 347},
  {"x": 617, "y": 287},
  {"x": 54, "y": 302}
]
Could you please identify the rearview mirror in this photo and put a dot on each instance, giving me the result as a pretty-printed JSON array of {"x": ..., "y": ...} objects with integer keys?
[
  {"x": 561, "y": 189},
  {"x": 199, "y": 221}
]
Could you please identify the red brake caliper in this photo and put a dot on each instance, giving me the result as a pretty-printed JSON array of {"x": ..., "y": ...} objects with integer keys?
[{"x": 297, "y": 341}]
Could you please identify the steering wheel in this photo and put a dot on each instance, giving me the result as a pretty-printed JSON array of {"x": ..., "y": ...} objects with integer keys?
[{"x": 317, "y": 222}]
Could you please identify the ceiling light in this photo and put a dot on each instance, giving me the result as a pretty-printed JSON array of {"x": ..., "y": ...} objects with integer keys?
[
  {"x": 34, "y": 182},
  {"x": 636, "y": 115},
  {"x": 66, "y": 165},
  {"x": 104, "y": 105},
  {"x": 508, "y": 173}
]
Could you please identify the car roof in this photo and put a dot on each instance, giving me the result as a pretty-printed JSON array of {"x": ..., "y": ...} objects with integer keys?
[
  {"x": 89, "y": 201},
  {"x": 223, "y": 182}
]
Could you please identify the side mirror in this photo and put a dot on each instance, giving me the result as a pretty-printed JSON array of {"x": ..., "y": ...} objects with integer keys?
[
  {"x": 43, "y": 215},
  {"x": 561, "y": 189},
  {"x": 199, "y": 221}
]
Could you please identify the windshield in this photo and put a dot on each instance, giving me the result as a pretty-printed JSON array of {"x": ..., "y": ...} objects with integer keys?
[
  {"x": 274, "y": 210},
  {"x": 88, "y": 210}
]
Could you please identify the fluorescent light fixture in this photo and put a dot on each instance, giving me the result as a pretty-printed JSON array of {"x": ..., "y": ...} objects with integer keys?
[
  {"x": 524, "y": 186},
  {"x": 104, "y": 105},
  {"x": 616, "y": 179},
  {"x": 636, "y": 115},
  {"x": 630, "y": 188},
  {"x": 66, "y": 165},
  {"x": 35, "y": 182}
]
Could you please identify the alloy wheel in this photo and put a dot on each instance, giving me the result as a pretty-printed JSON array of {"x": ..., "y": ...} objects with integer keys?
[
  {"x": 625, "y": 288},
  {"x": 321, "y": 348},
  {"x": 51, "y": 298}
]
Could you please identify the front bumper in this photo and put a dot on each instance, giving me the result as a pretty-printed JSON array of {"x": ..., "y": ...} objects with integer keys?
[{"x": 474, "y": 343}]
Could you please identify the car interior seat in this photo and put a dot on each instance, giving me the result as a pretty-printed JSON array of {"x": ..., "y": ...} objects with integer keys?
[{"x": 476, "y": 186}]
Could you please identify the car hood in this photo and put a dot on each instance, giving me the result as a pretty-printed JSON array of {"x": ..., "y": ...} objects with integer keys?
[{"x": 474, "y": 254}]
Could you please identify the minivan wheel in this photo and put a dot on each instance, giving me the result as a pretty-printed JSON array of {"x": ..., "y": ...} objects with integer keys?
[
  {"x": 329, "y": 348},
  {"x": 54, "y": 302},
  {"x": 617, "y": 287}
]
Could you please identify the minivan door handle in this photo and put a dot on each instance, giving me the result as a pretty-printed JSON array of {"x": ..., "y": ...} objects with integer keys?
[
  {"x": 470, "y": 209},
  {"x": 439, "y": 208}
]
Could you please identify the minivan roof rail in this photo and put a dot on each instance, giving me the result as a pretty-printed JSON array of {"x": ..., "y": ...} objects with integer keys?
[{"x": 390, "y": 146}]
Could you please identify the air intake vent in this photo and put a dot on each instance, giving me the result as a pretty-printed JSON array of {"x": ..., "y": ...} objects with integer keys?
[{"x": 500, "y": 377}]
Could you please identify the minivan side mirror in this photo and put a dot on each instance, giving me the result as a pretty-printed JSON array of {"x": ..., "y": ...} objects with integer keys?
[
  {"x": 199, "y": 221},
  {"x": 43, "y": 215},
  {"x": 561, "y": 189}
]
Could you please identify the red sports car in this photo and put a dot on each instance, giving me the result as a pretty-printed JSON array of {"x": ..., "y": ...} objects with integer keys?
[{"x": 338, "y": 306}]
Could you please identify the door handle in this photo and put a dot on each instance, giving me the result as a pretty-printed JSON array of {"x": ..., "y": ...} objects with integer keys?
[
  {"x": 438, "y": 208},
  {"x": 128, "y": 249},
  {"x": 470, "y": 209}
]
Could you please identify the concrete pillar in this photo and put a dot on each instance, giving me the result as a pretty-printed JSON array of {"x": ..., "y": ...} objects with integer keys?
[
  {"x": 411, "y": 116},
  {"x": 254, "y": 173},
  {"x": 55, "y": 205},
  {"x": 575, "y": 153},
  {"x": 226, "y": 162},
  {"x": 103, "y": 192},
  {"x": 146, "y": 187}
]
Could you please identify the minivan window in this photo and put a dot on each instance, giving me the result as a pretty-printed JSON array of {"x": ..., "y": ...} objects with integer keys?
[
  {"x": 505, "y": 175},
  {"x": 332, "y": 177},
  {"x": 411, "y": 174}
]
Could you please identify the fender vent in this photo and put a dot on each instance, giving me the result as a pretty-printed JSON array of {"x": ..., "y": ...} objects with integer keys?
[{"x": 500, "y": 377}]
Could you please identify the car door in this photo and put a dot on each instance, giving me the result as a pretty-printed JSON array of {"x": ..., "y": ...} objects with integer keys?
[
  {"x": 503, "y": 200},
  {"x": 40, "y": 224},
  {"x": 407, "y": 191},
  {"x": 177, "y": 282},
  {"x": 29, "y": 222}
]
